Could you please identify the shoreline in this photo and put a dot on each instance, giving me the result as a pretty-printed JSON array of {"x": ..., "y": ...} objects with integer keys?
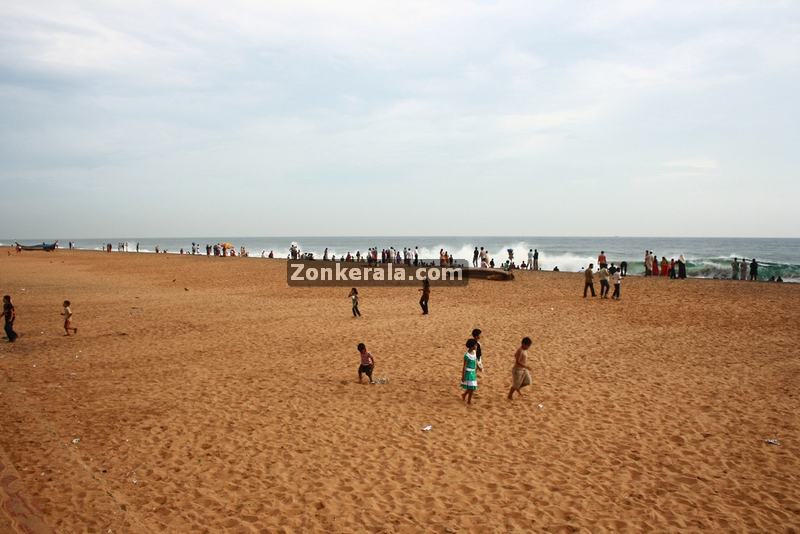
[{"x": 362, "y": 262}]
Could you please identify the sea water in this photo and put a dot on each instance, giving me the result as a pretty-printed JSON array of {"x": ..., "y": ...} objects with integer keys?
[{"x": 705, "y": 257}]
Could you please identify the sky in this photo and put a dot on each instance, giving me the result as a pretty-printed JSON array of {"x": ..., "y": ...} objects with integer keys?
[{"x": 247, "y": 118}]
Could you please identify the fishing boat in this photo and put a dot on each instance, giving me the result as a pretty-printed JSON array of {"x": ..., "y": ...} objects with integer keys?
[{"x": 44, "y": 246}]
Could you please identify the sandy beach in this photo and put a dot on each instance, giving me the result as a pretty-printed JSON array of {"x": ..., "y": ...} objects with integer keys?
[{"x": 205, "y": 395}]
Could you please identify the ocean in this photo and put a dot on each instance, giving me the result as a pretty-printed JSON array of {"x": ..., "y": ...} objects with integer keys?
[{"x": 706, "y": 257}]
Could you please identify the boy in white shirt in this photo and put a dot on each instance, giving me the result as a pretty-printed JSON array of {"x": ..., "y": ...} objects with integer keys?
[{"x": 617, "y": 278}]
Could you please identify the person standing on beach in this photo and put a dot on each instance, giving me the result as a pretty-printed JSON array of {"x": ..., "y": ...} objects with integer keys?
[
  {"x": 682, "y": 267},
  {"x": 735, "y": 269},
  {"x": 530, "y": 259},
  {"x": 367, "y": 364},
  {"x": 743, "y": 270},
  {"x": 623, "y": 268},
  {"x": 469, "y": 372},
  {"x": 617, "y": 277},
  {"x": 68, "y": 319},
  {"x": 754, "y": 270},
  {"x": 589, "y": 280},
  {"x": 9, "y": 316},
  {"x": 475, "y": 257},
  {"x": 654, "y": 268},
  {"x": 354, "y": 297},
  {"x": 647, "y": 263},
  {"x": 535, "y": 260},
  {"x": 426, "y": 295},
  {"x": 520, "y": 373},
  {"x": 601, "y": 260},
  {"x": 605, "y": 287}
]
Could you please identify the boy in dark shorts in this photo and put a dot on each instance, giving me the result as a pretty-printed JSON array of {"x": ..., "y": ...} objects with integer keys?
[{"x": 367, "y": 364}]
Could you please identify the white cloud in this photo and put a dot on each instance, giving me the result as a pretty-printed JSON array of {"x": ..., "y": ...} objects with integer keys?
[{"x": 373, "y": 91}]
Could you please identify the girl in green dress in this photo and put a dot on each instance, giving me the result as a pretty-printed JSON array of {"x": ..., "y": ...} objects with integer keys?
[{"x": 469, "y": 374}]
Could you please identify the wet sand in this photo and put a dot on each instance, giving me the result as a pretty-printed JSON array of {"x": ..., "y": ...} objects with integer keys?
[{"x": 204, "y": 395}]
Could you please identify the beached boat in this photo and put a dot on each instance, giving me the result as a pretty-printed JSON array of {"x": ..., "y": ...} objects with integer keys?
[
  {"x": 489, "y": 274},
  {"x": 44, "y": 246}
]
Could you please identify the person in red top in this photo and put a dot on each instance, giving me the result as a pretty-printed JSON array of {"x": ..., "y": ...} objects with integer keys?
[
  {"x": 654, "y": 268},
  {"x": 664, "y": 266},
  {"x": 601, "y": 260}
]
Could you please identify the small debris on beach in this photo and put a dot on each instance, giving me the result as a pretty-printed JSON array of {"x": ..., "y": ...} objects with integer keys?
[
  {"x": 427, "y": 428},
  {"x": 76, "y": 441},
  {"x": 772, "y": 441},
  {"x": 541, "y": 406}
]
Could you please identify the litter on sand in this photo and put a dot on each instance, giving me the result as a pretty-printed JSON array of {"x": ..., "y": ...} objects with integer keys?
[
  {"x": 381, "y": 381},
  {"x": 772, "y": 441},
  {"x": 541, "y": 406},
  {"x": 427, "y": 428},
  {"x": 76, "y": 441}
]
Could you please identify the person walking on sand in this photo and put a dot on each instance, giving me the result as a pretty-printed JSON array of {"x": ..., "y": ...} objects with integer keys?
[
  {"x": 605, "y": 287},
  {"x": 589, "y": 280},
  {"x": 743, "y": 270},
  {"x": 68, "y": 319},
  {"x": 735, "y": 269},
  {"x": 469, "y": 372},
  {"x": 367, "y": 364},
  {"x": 9, "y": 316},
  {"x": 353, "y": 296},
  {"x": 426, "y": 295},
  {"x": 520, "y": 373}
]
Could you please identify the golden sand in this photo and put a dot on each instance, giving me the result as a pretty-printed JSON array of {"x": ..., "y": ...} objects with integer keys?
[{"x": 204, "y": 395}]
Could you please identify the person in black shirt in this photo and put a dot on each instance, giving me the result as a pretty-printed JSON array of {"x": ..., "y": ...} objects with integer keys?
[
  {"x": 754, "y": 270},
  {"x": 9, "y": 315}
]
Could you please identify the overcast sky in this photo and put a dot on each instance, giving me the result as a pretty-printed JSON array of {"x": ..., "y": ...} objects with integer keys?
[{"x": 252, "y": 118}]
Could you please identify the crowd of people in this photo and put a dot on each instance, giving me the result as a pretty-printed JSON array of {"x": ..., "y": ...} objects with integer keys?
[
  {"x": 739, "y": 270},
  {"x": 671, "y": 268}
]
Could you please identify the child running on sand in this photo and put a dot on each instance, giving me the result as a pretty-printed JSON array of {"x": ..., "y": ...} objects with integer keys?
[
  {"x": 521, "y": 373},
  {"x": 68, "y": 319},
  {"x": 469, "y": 372},
  {"x": 354, "y": 297},
  {"x": 367, "y": 364}
]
